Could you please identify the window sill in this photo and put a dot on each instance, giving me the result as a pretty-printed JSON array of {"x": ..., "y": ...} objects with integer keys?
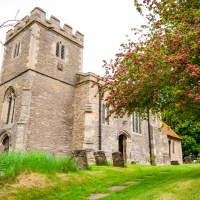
[
  {"x": 140, "y": 134},
  {"x": 7, "y": 126},
  {"x": 105, "y": 124}
]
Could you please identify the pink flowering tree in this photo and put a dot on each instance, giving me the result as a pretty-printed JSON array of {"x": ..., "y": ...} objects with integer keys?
[{"x": 161, "y": 71}]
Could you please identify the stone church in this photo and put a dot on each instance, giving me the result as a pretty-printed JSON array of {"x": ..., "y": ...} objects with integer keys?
[{"x": 47, "y": 102}]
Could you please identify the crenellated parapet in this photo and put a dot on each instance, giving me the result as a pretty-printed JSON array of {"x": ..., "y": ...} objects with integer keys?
[{"x": 39, "y": 15}]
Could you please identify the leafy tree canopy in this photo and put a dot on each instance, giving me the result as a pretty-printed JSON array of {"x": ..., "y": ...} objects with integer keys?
[
  {"x": 188, "y": 130},
  {"x": 161, "y": 70}
]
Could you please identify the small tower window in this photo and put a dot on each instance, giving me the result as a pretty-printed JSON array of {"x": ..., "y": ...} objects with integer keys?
[
  {"x": 60, "y": 50},
  {"x": 16, "y": 49}
]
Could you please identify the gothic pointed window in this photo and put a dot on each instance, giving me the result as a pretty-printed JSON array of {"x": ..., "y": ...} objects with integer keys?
[
  {"x": 8, "y": 106},
  {"x": 136, "y": 123},
  {"x": 104, "y": 114},
  {"x": 60, "y": 50}
]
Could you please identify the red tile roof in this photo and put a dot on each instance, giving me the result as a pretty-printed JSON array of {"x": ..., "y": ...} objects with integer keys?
[{"x": 170, "y": 132}]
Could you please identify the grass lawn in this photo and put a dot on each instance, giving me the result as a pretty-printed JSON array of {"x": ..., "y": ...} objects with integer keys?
[{"x": 145, "y": 183}]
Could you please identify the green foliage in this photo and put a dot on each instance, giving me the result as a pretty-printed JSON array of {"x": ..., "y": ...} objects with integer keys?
[
  {"x": 152, "y": 160},
  {"x": 188, "y": 130},
  {"x": 11, "y": 164},
  {"x": 189, "y": 146},
  {"x": 133, "y": 162},
  {"x": 161, "y": 70}
]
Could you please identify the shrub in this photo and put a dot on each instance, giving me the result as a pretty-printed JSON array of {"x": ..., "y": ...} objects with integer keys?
[{"x": 152, "y": 160}]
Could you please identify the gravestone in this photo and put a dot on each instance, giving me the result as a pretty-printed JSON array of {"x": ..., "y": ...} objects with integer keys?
[
  {"x": 118, "y": 160},
  {"x": 188, "y": 160},
  {"x": 81, "y": 158},
  {"x": 100, "y": 158}
]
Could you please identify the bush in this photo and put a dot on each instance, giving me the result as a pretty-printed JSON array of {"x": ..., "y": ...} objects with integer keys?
[
  {"x": 152, "y": 160},
  {"x": 11, "y": 164}
]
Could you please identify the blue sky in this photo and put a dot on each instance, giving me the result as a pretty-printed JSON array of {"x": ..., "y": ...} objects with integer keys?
[{"x": 104, "y": 24}]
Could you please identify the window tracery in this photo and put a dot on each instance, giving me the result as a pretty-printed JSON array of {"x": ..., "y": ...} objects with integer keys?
[
  {"x": 60, "y": 50},
  {"x": 8, "y": 106},
  {"x": 16, "y": 49}
]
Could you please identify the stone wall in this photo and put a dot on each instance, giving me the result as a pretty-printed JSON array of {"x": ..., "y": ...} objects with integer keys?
[
  {"x": 47, "y": 62},
  {"x": 11, "y": 66},
  {"x": 19, "y": 84},
  {"x": 51, "y": 116},
  {"x": 86, "y": 129},
  {"x": 176, "y": 150},
  {"x": 86, "y": 121}
]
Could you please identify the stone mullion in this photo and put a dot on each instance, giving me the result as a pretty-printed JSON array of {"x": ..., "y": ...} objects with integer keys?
[{"x": 12, "y": 109}]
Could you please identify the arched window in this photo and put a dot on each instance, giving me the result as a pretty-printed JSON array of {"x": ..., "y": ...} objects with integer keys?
[
  {"x": 136, "y": 123},
  {"x": 104, "y": 114},
  {"x": 8, "y": 106},
  {"x": 60, "y": 50},
  {"x": 16, "y": 49}
]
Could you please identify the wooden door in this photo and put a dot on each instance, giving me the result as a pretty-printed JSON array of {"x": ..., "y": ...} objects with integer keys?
[{"x": 123, "y": 145}]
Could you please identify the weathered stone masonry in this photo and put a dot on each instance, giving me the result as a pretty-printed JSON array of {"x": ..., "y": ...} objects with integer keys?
[{"x": 44, "y": 110}]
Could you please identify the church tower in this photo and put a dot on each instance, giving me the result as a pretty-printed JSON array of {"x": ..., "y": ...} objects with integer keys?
[{"x": 37, "y": 85}]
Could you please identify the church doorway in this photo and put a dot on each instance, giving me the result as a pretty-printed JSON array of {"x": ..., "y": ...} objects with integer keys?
[
  {"x": 123, "y": 145},
  {"x": 4, "y": 142}
]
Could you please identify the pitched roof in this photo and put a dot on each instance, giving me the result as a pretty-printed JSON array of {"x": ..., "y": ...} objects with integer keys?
[{"x": 170, "y": 132}]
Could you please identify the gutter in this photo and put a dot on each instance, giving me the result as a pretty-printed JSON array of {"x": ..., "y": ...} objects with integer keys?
[
  {"x": 100, "y": 128},
  {"x": 149, "y": 133}
]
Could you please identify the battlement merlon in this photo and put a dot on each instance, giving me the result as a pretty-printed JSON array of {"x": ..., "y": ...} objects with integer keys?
[{"x": 39, "y": 15}]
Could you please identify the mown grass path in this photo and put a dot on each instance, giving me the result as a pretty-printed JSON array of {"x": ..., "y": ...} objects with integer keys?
[{"x": 142, "y": 183}]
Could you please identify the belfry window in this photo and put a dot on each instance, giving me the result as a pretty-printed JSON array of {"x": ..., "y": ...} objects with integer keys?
[
  {"x": 8, "y": 106},
  {"x": 16, "y": 49},
  {"x": 60, "y": 50},
  {"x": 136, "y": 123},
  {"x": 57, "y": 49}
]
